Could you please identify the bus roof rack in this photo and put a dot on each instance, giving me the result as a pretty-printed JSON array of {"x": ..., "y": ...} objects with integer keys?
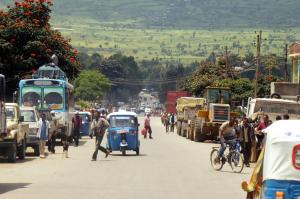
[{"x": 49, "y": 71}]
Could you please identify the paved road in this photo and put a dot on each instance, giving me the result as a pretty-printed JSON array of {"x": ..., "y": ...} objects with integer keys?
[{"x": 169, "y": 167}]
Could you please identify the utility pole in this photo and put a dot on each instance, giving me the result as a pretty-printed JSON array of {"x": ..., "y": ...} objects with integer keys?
[
  {"x": 258, "y": 45},
  {"x": 285, "y": 63}
]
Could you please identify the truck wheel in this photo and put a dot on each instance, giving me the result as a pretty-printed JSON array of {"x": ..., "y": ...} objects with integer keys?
[
  {"x": 178, "y": 128},
  {"x": 36, "y": 150},
  {"x": 12, "y": 153},
  {"x": 201, "y": 138},
  {"x": 22, "y": 150}
]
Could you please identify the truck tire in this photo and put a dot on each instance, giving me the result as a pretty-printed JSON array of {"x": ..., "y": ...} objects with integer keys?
[
  {"x": 201, "y": 137},
  {"x": 22, "y": 150},
  {"x": 12, "y": 153},
  {"x": 36, "y": 150},
  {"x": 276, "y": 96},
  {"x": 178, "y": 127}
]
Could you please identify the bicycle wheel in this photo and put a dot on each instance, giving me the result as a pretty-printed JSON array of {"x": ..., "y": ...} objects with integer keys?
[
  {"x": 237, "y": 162},
  {"x": 215, "y": 161}
]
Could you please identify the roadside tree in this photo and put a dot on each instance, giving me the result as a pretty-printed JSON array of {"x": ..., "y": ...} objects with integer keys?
[{"x": 91, "y": 85}]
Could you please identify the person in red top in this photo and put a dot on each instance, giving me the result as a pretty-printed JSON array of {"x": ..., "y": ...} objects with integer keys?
[
  {"x": 76, "y": 125},
  {"x": 147, "y": 125},
  {"x": 264, "y": 123}
]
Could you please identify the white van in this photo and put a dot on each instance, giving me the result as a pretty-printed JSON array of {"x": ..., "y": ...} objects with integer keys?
[
  {"x": 31, "y": 118},
  {"x": 147, "y": 111}
]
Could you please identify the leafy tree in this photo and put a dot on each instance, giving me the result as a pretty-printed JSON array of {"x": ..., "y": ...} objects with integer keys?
[
  {"x": 90, "y": 85},
  {"x": 27, "y": 40},
  {"x": 241, "y": 88}
]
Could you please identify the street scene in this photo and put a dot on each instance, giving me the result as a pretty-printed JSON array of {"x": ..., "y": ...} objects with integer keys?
[
  {"x": 155, "y": 173},
  {"x": 149, "y": 99}
]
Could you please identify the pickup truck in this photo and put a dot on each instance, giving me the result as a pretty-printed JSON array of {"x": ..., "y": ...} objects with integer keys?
[{"x": 13, "y": 141}]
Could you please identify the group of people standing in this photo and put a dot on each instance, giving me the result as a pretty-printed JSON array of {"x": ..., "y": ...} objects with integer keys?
[
  {"x": 47, "y": 133},
  {"x": 169, "y": 120},
  {"x": 250, "y": 134}
]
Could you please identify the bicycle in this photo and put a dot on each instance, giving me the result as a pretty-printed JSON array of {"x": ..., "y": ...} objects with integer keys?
[{"x": 234, "y": 157}]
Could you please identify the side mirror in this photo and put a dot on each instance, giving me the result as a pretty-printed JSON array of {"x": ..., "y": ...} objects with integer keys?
[{"x": 21, "y": 119}]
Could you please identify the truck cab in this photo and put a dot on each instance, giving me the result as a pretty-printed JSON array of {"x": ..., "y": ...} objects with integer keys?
[{"x": 13, "y": 141}]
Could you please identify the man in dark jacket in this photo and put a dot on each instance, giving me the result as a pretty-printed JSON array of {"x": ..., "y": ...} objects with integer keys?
[
  {"x": 246, "y": 135},
  {"x": 76, "y": 124}
]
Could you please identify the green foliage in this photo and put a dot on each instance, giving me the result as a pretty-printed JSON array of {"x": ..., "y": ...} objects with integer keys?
[
  {"x": 27, "y": 40},
  {"x": 241, "y": 88},
  {"x": 90, "y": 85},
  {"x": 83, "y": 104}
]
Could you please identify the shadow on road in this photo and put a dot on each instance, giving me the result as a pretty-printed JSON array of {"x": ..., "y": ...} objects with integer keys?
[
  {"x": 242, "y": 173},
  {"x": 128, "y": 155},
  {"x": 6, "y": 187},
  {"x": 27, "y": 159}
]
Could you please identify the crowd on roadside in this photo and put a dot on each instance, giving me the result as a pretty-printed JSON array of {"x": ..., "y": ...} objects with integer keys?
[
  {"x": 169, "y": 120},
  {"x": 249, "y": 132},
  {"x": 47, "y": 132}
]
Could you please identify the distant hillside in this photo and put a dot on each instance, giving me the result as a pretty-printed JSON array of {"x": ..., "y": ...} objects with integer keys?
[
  {"x": 183, "y": 13},
  {"x": 186, "y": 13}
]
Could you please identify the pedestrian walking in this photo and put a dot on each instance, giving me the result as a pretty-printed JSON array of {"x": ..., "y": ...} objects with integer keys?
[
  {"x": 43, "y": 132},
  {"x": 99, "y": 126},
  {"x": 147, "y": 125},
  {"x": 172, "y": 122},
  {"x": 52, "y": 132},
  {"x": 76, "y": 125},
  {"x": 246, "y": 132},
  {"x": 167, "y": 122}
]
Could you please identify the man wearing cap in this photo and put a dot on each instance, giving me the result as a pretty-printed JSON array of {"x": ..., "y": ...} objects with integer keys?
[{"x": 76, "y": 125}]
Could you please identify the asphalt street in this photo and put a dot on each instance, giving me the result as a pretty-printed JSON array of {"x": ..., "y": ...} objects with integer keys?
[{"x": 169, "y": 167}]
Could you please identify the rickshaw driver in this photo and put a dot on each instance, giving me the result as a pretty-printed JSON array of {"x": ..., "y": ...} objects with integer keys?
[{"x": 227, "y": 134}]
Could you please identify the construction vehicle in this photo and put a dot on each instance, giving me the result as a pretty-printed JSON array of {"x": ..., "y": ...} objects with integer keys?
[
  {"x": 187, "y": 108},
  {"x": 215, "y": 111}
]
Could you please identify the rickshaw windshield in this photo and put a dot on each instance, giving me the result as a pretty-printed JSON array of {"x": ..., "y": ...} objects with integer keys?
[{"x": 123, "y": 121}]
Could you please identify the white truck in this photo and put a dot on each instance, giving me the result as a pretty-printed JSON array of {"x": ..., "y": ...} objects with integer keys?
[
  {"x": 272, "y": 107},
  {"x": 31, "y": 118}
]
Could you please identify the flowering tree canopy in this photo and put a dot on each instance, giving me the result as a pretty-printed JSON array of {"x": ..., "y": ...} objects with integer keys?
[{"x": 27, "y": 40}]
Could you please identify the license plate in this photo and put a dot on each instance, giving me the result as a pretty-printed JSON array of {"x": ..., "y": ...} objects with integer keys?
[{"x": 122, "y": 131}]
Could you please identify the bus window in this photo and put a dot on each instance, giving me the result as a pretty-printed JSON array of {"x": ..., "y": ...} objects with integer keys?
[
  {"x": 31, "y": 96},
  {"x": 53, "y": 98}
]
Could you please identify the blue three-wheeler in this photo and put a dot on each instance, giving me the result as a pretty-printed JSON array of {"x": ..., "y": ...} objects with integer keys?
[{"x": 123, "y": 132}]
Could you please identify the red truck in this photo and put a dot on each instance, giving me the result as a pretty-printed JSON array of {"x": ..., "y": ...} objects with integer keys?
[{"x": 172, "y": 96}]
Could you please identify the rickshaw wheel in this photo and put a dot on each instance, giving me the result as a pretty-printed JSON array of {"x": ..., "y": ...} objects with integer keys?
[
  {"x": 137, "y": 151},
  {"x": 217, "y": 165},
  {"x": 123, "y": 152}
]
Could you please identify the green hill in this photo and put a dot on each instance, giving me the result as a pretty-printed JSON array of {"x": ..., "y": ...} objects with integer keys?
[{"x": 185, "y": 13}]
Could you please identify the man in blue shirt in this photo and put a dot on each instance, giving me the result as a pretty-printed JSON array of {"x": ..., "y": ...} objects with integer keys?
[{"x": 43, "y": 132}]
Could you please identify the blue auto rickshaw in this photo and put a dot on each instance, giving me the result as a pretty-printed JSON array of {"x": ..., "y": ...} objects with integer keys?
[
  {"x": 86, "y": 118},
  {"x": 123, "y": 132},
  {"x": 277, "y": 171}
]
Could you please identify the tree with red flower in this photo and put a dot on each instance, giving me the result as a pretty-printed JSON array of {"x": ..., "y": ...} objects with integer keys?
[{"x": 27, "y": 40}]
